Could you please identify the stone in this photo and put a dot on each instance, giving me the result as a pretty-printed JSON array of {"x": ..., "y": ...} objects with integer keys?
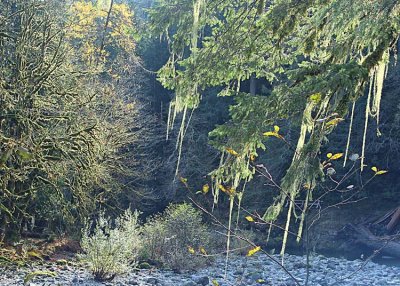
[
  {"x": 290, "y": 282},
  {"x": 255, "y": 276},
  {"x": 144, "y": 265},
  {"x": 152, "y": 280},
  {"x": 204, "y": 280},
  {"x": 331, "y": 265},
  {"x": 190, "y": 283},
  {"x": 299, "y": 265}
]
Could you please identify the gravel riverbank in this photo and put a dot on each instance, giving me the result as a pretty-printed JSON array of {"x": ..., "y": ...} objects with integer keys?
[{"x": 242, "y": 271}]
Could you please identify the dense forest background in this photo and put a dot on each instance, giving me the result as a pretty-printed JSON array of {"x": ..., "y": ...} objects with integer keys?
[{"x": 84, "y": 122}]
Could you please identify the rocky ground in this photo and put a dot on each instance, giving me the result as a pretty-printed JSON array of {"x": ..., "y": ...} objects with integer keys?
[{"x": 242, "y": 271}]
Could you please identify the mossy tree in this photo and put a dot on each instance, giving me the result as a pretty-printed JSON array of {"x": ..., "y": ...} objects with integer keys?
[{"x": 69, "y": 136}]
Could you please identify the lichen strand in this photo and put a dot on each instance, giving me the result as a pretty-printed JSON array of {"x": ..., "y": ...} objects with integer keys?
[
  {"x": 197, "y": 5},
  {"x": 377, "y": 76}
]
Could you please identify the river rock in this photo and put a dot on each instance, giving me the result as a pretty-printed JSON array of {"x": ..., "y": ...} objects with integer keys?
[{"x": 204, "y": 280}]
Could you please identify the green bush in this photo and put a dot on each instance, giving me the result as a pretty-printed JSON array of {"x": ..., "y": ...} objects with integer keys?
[
  {"x": 177, "y": 239},
  {"x": 110, "y": 248}
]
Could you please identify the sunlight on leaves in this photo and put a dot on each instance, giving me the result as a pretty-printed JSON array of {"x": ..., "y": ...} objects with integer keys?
[
  {"x": 334, "y": 122},
  {"x": 232, "y": 152},
  {"x": 377, "y": 171},
  {"x": 249, "y": 218},
  {"x": 228, "y": 190},
  {"x": 336, "y": 156},
  {"x": 205, "y": 188},
  {"x": 191, "y": 250},
  {"x": 253, "y": 251},
  {"x": 274, "y": 133},
  {"x": 202, "y": 250},
  {"x": 316, "y": 97}
]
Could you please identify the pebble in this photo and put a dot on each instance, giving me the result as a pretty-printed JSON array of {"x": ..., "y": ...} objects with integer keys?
[{"x": 244, "y": 271}]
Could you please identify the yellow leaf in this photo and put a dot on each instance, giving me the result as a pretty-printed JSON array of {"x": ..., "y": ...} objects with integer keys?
[
  {"x": 252, "y": 158},
  {"x": 253, "y": 251},
  {"x": 336, "y": 156},
  {"x": 202, "y": 250},
  {"x": 381, "y": 172},
  {"x": 249, "y": 218},
  {"x": 191, "y": 249},
  {"x": 215, "y": 282},
  {"x": 334, "y": 122},
  {"x": 260, "y": 281},
  {"x": 375, "y": 169},
  {"x": 307, "y": 186},
  {"x": 228, "y": 190},
  {"x": 222, "y": 188},
  {"x": 329, "y": 155},
  {"x": 232, "y": 152},
  {"x": 205, "y": 188},
  {"x": 184, "y": 181},
  {"x": 269, "y": 133},
  {"x": 273, "y": 133}
]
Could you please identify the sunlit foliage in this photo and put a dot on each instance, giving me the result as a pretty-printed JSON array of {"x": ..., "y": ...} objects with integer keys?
[{"x": 66, "y": 140}]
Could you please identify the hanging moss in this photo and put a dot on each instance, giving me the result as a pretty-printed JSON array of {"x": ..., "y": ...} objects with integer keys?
[
  {"x": 349, "y": 134},
  {"x": 337, "y": 67}
]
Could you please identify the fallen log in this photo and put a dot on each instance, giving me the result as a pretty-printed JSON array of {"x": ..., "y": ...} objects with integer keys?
[
  {"x": 384, "y": 217},
  {"x": 394, "y": 220},
  {"x": 384, "y": 245}
]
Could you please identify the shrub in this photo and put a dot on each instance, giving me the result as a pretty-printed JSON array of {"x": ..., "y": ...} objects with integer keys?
[
  {"x": 177, "y": 239},
  {"x": 110, "y": 248}
]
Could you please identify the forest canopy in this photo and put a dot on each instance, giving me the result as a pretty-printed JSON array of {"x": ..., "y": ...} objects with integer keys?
[{"x": 289, "y": 91}]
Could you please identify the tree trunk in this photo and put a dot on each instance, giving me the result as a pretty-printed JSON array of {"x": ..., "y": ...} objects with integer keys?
[{"x": 253, "y": 84}]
